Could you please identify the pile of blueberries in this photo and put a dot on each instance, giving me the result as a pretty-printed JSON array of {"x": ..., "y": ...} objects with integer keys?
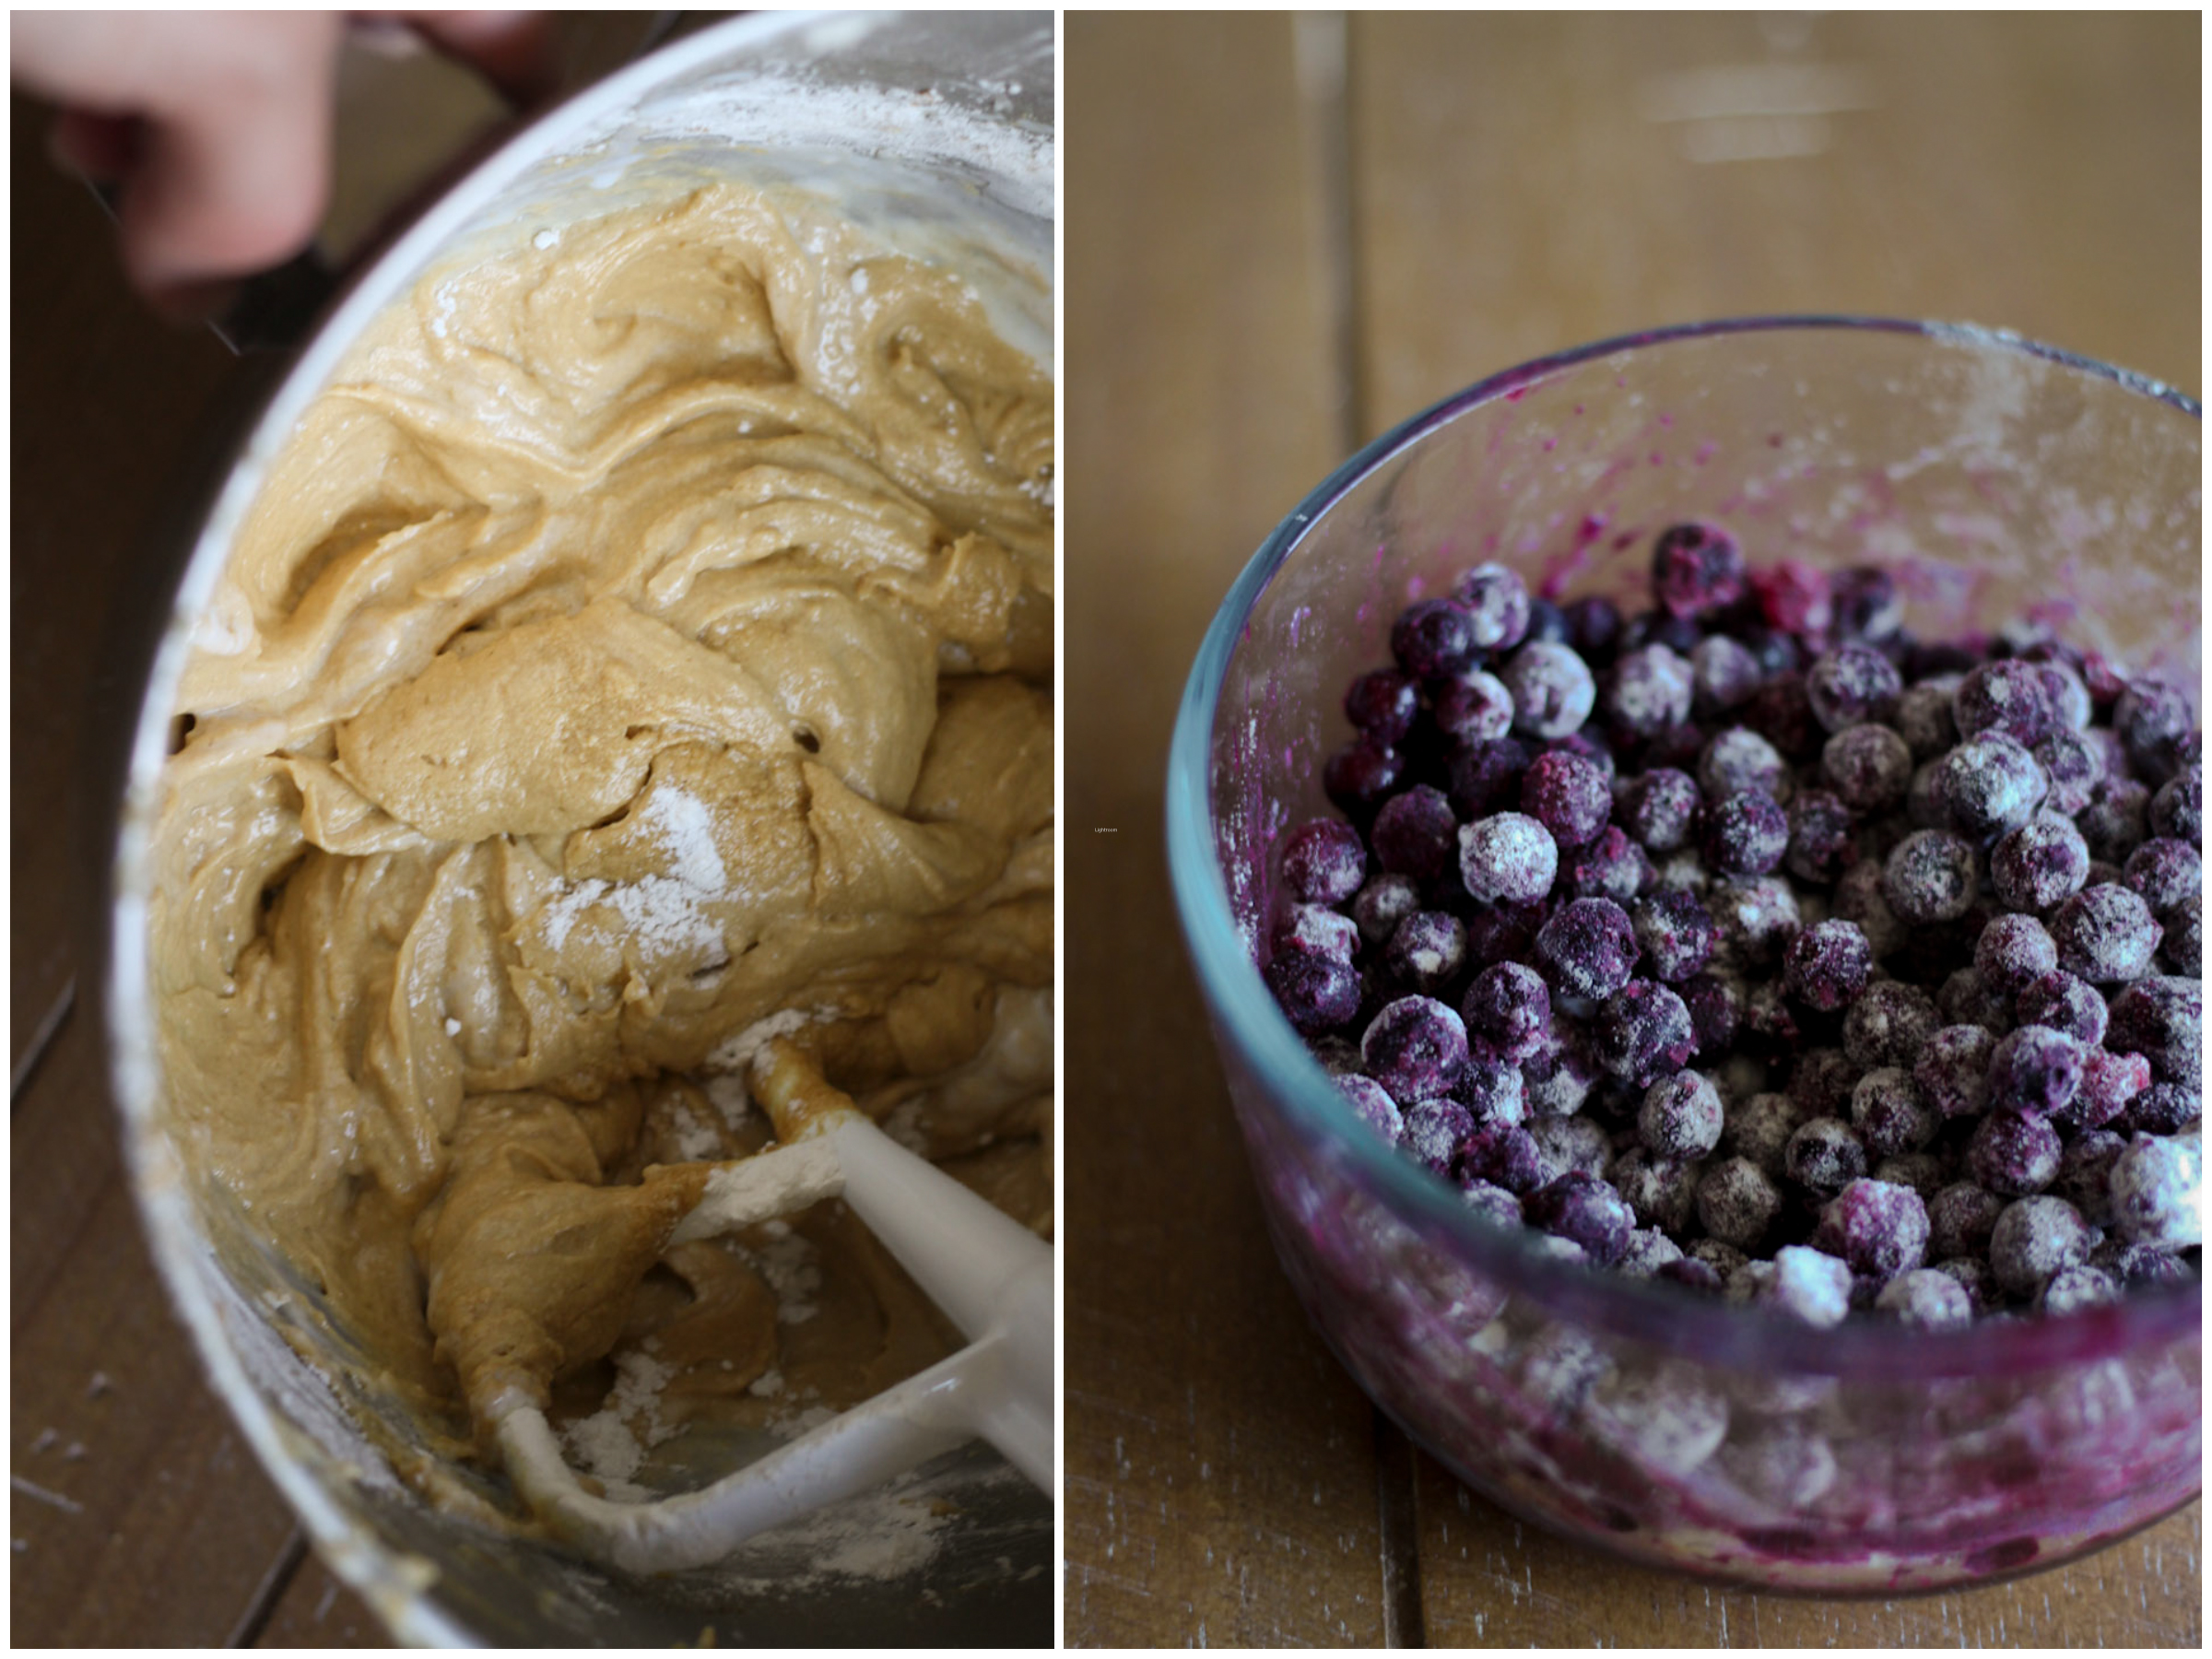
[{"x": 1751, "y": 944}]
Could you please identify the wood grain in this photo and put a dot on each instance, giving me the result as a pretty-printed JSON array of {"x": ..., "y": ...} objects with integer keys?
[
  {"x": 1220, "y": 1469},
  {"x": 149, "y": 1518},
  {"x": 1528, "y": 182},
  {"x": 1509, "y": 184}
]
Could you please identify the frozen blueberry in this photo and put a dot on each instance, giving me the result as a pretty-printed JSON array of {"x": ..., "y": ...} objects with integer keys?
[
  {"x": 1593, "y": 627},
  {"x": 2139, "y": 1266},
  {"x": 1434, "y": 1132},
  {"x": 1923, "y": 718},
  {"x": 1416, "y": 833},
  {"x": 1416, "y": 1048},
  {"x": 1738, "y": 759},
  {"x": 1754, "y": 919},
  {"x": 2073, "y": 763},
  {"x": 1809, "y": 1285},
  {"x": 1508, "y": 856},
  {"x": 2073, "y": 1289},
  {"x": 2007, "y": 696},
  {"x": 1587, "y": 948},
  {"x": 1865, "y": 603},
  {"x": 2106, "y": 934},
  {"x": 2164, "y": 872},
  {"x": 1781, "y": 712},
  {"x": 1489, "y": 1086},
  {"x": 1552, "y": 688},
  {"x": 2039, "y": 865},
  {"x": 1661, "y": 627},
  {"x": 1509, "y": 1006},
  {"x": 1361, "y": 775},
  {"x": 2034, "y": 1238},
  {"x": 1612, "y": 866},
  {"x": 1647, "y": 1251},
  {"x": 1925, "y": 1172},
  {"x": 1641, "y": 1032},
  {"x": 1961, "y": 1219},
  {"x": 1890, "y": 1114},
  {"x": 1674, "y": 934},
  {"x": 1385, "y": 900},
  {"x": 1821, "y": 1081},
  {"x": 1427, "y": 949},
  {"x": 2109, "y": 1085},
  {"x": 1432, "y": 638},
  {"x": 1546, "y": 621},
  {"x": 1496, "y": 601},
  {"x": 1384, "y": 705},
  {"x": 1502, "y": 1155},
  {"x": 1926, "y": 1299},
  {"x": 2163, "y": 1108},
  {"x": 1822, "y": 833},
  {"x": 2157, "y": 1188},
  {"x": 1868, "y": 767},
  {"x": 1585, "y": 1209},
  {"x": 1323, "y": 862},
  {"x": 2035, "y": 1069},
  {"x": 1826, "y": 965},
  {"x": 1745, "y": 834},
  {"x": 1556, "y": 1078},
  {"x": 1372, "y": 1101},
  {"x": 1713, "y": 1017},
  {"x": 1472, "y": 707},
  {"x": 2116, "y": 821},
  {"x": 1760, "y": 1129},
  {"x": 1494, "y": 1204},
  {"x": 1567, "y": 795},
  {"x": 1663, "y": 1192},
  {"x": 1889, "y": 1025},
  {"x": 1875, "y": 1228},
  {"x": 1989, "y": 786},
  {"x": 2182, "y": 944},
  {"x": 1972, "y": 1275},
  {"x": 1587, "y": 746},
  {"x": 2177, "y": 811},
  {"x": 1317, "y": 931},
  {"x": 1680, "y": 1116},
  {"x": 2085, "y": 1173},
  {"x": 1660, "y": 807},
  {"x": 1482, "y": 777},
  {"x": 2162, "y": 1019},
  {"x": 1696, "y": 568},
  {"x": 2154, "y": 720},
  {"x": 1824, "y": 1156},
  {"x": 1952, "y": 1070},
  {"x": 2012, "y": 951},
  {"x": 1723, "y": 673},
  {"x": 1647, "y": 691},
  {"x": 1575, "y": 1143},
  {"x": 1503, "y": 932},
  {"x": 1737, "y": 1203},
  {"x": 2013, "y": 1152},
  {"x": 1315, "y": 992},
  {"x": 1851, "y": 685},
  {"x": 1930, "y": 877}
]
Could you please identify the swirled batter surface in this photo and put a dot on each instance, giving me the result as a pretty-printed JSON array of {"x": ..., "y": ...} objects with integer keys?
[{"x": 642, "y": 648}]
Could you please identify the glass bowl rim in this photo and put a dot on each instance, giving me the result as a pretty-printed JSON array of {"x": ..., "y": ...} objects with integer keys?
[{"x": 1669, "y": 1318}]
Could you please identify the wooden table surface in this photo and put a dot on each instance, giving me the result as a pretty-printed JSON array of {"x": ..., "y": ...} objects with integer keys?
[{"x": 1280, "y": 240}]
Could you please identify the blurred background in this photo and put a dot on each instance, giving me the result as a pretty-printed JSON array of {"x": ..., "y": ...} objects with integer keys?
[{"x": 1283, "y": 237}]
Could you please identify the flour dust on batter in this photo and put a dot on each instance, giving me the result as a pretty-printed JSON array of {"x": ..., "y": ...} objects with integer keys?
[{"x": 641, "y": 650}]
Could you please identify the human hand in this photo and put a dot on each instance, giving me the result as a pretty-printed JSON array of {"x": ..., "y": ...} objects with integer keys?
[{"x": 218, "y": 124}]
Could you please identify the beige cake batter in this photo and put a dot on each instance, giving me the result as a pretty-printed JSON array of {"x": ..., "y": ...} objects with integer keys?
[{"x": 642, "y": 648}]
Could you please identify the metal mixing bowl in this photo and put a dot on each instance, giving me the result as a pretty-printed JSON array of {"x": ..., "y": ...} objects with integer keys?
[{"x": 934, "y": 132}]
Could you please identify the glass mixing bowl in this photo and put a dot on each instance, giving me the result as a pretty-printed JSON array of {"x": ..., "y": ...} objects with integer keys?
[{"x": 1996, "y": 479}]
